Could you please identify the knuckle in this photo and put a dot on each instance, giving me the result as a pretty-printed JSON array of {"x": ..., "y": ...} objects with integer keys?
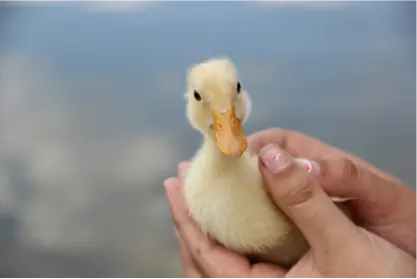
[
  {"x": 276, "y": 133},
  {"x": 346, "y": 171},
  {"x": 263, "y": 137},
  {"x": 299, "y": 190},
  {"x": 276, "y": 130}
]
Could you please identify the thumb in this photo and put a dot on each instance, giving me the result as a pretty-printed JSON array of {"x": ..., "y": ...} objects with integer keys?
[{"x": 300, "y": 196}]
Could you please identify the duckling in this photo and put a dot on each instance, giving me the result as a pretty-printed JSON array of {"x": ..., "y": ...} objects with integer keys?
[{"x": 223, "y": 188}]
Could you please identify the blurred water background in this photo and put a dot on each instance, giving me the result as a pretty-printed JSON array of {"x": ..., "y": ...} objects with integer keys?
[{"x": 92, "y": 115}]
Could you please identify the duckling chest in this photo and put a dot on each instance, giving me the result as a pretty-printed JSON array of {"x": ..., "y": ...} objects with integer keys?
[{"x": 232, "y": 205}]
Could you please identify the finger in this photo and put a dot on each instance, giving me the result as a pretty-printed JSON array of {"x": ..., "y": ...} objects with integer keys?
[
  {"x": 214, "y": 260},
  {"x": 182, "y": 170},
  {"x": 374, "y": 197},
  {"x": 300, "y": 145},
  {"x": 304, "y": 267},
  {"x": 265, "y": 270},
  {"x": 297, "y": 193},
  {"x": 270, "y": 136},
  {"x": 194, "y": 240},
  {"x": 177, "y": 204},
  {"x": 190, "y": 269},
  {"x": 187, "y": 262},
  {"x": 377, "y": 195},
  {"x": 296, "y": 143},
  {"x": 378, "y": 200}
]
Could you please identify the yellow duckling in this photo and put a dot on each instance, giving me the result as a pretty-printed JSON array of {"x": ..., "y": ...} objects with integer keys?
[{"x": 223, "y": 188}]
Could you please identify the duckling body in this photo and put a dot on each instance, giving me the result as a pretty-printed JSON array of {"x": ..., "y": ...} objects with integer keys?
[
  {"x": 224, "y": 188},
  {"x": 226, "y": 197}
]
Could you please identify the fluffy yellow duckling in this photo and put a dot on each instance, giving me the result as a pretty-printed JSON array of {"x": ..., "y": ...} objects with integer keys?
[{"x": 223, "y": 188}]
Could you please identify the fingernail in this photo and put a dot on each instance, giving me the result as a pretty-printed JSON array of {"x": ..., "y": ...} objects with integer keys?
[
  {"x": 177, "y": 233},
  {"x": 275, "y": 159},
  {"x": 309, "y": 165}
]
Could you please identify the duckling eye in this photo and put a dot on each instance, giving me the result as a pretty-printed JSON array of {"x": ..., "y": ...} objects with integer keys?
[
  {"x": 238, "y": 87},
  {"x": 197, "y": 96}
]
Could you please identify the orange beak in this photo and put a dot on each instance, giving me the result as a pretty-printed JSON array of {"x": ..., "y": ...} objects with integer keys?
[{"x": 228, "y": 131}]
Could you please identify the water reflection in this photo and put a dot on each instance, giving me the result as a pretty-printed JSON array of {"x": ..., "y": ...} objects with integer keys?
[{"x": 92, "y": 115}]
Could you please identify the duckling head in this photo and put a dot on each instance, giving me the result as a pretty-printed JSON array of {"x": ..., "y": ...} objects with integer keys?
[{"x": 217, "y": 104}]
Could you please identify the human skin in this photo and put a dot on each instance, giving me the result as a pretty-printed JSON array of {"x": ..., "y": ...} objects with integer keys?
[{"x": 378, "y": 241}]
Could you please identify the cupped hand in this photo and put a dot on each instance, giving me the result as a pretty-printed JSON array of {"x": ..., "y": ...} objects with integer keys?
[
  {"x": 382, "y": 246},
  {"x": 200, "y": 255}
]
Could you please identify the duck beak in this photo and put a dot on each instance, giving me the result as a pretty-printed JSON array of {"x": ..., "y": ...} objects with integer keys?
[{"x": 228, "y": 131}]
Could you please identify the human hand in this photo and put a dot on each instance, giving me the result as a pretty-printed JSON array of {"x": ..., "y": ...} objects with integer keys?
[
  {"x": 379, "y": 202},
  {"x": 202, "y": 256},
  {"x": 339, "y": 248}
]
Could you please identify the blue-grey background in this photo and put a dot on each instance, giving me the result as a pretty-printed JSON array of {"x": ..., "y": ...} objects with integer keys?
[{"x": 92, "y": 114}]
